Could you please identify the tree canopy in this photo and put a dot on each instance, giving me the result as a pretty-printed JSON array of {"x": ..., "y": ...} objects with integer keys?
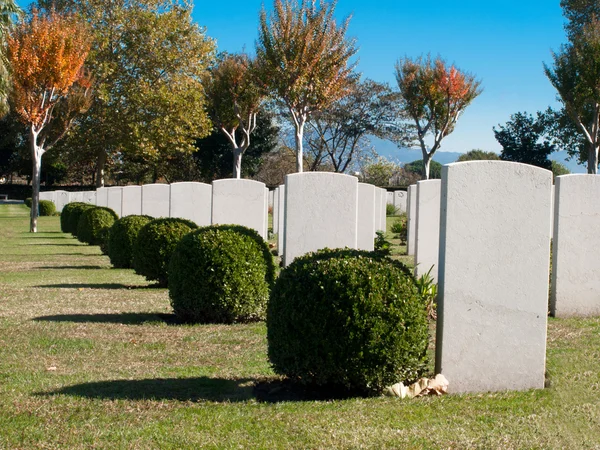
[{"x": 478, "y": 155}]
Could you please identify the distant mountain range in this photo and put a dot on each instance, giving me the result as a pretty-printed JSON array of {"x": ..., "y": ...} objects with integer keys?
[{"x": 390, "y": 151}]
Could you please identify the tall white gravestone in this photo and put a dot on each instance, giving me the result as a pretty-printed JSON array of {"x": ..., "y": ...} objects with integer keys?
[
  {"x": 280, "y": 220},
  {"x": 102, "y": 197},
  {"x": 132, "y": 201},
  {"x": 575, "y": 260},
  {"x": 493, "y": 276},
  {"x": 276, "y": 211},
  {"x": 62, "y": 198},
  {"x": 320, "y": 211},
  {"x": 427, "y": 229},
  {"x": 240, "y": 202},
  {"x": 383, "y": 211},
  {"x": 192, "y": 201},
  {"x": 89, "y": 197},
  {"x": 366, "y": 216},
  {"x": 379, "y": 193},
  {"x": 76, "y": 197},
  {"x": 156, "y": 200},
  {"x": 115, "y": 199},
  {"x": 400, "y": 198},
  {"x": 412, "y": 219}
]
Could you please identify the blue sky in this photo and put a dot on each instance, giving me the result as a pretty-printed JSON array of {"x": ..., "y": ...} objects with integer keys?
[{"x": 502, "y": 42}]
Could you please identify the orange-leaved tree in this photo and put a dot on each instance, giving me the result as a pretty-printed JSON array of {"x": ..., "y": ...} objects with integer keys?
[
  {"x": 46, "y": 53},
  {"x": 432, "y": 96}
]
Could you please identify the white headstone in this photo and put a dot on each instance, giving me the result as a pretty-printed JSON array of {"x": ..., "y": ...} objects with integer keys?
[
  {"x": 192, "y": 201},
  {"x": 102, "y": 197},
  {"x": 280, "y": 220},
  {"x": 427, "y": 234},
  {"x": 276, "y": 211},
  {"x": 412, "y": 219},
  {"x": 132, "y": 201},
  {"x": 377, "y": 207},
  {"x": 89, "y": 197},
  {"x": 76, "y": 197},
  {"x": 240, "y": 202},
  {"x": 320, "y": 211},
  {"x": 383, "y": 210},
  {"x": 366, "y": 216},
  {"x": 575, "y": 258},
  {"x": 62, "y": 198},
  {"x": 271, "y": 198},
  {"x": 389, "y": 198},
  {"x": 400, "y": 198},
  {"x": 48, "y": 195},
  {"x": 493, "y": 276},
  {"x": 266, "y": 232},
  {"x": 156, "y": 200},
  {"x": 115, "y": 199}
]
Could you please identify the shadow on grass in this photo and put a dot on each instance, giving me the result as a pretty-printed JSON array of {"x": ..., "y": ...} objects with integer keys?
[
  {"x": 72, "y": 244},
  {"x": 202, "y": 388},
  {"x": 120, "y": 318},
  {"x": 96, "y": 286},
  {"x": 74, "y": 267}
]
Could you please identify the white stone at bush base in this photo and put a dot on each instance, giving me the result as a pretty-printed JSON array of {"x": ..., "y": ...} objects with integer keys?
[
  {"x": 280, "y": 220},
  {"x": 493, "y": 276},
  {"x": 62, "y": 199},
  {"x": 131, "y": 201},
  {"x": 240, "y": 202},
  {"x": 320, "y": 211},
  {"x": 366, "y": 216},
  {"x": 192, "y": 201},
  {"x": 156, "y": 200},
  {"x": 101, "y": 197},
  {"x": 412, "y": 219},
  {"x": 115, "y": 199},
  {"x": 575, "y": 257},
  {"x": 400, "y": 199},
  {"x": 427, "y": 227}
]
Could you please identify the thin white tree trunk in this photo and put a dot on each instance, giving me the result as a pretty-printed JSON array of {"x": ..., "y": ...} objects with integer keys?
[
  {"x": 299, "y": 149},
  {"x": 36, "y": 155},
  {"x": 237, "y": 162},
  {"x": 592, "y": 165},
  {"x": 100, "y": 168}
]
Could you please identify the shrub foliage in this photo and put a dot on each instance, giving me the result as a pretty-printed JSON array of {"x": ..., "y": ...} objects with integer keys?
[
  {"x": 219, "y": 274},
  {"x": 65, "y": 224},
  {"x": 347, "y": 318},
  {"x": 74, "y": 216},
  {"x": 155, "y": 244},
  {"x": 47, "y": 208},
  {"x": 94, "y": 224},
  {"x": 121, "y": 239}
]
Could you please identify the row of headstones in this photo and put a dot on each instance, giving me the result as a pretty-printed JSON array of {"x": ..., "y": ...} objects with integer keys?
[{"x": 485, "y": 228}]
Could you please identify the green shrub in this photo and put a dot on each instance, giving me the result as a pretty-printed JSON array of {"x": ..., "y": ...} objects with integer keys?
[
  {"x": 155, "y": 244},
  {"x": 218, "y": 274},
  {"x": 121, "y": 239},
  {"x": 65, "y": 224},
  {"x": 74, "y": 216},
  {"x": 94, "y": 224},
  {"x": 47, "y": 208},
  {"x": 381, "y": 246},
  {"x": 400, "y": 228},
  {"x": 390, "y": 210},
  {"x": 347, "y": 318},
  {"x": 28, "y": 202}
]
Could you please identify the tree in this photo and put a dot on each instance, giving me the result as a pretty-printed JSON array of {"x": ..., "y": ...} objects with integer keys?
[
  {"x": 523, "y": 139},
  {"x": 234, "y": 101},
  {"x": 435, "y": 169},
  {"x": 303, "y": 59},
  {"x": 46, "y": 54},
  {"x": 432, "y": 97},
  {"x": 478, "y": 155},
  {"x": 559, "y": 169},
  {"x": 148, "y": 58},
  {"x": 379, "y": 171},
  {"x": 8, "y": 11},
  {"x": 339, "y": 132},
  {"x": 578, "y": 13}
]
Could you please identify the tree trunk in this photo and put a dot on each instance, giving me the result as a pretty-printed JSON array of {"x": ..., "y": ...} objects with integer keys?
[
  {"x": 237, "y": 162},
  {"x": 299, "y": 149},
  {"x": 36, "y": 156},
  {"x": 101, "y": 164},
  {"x": 426, "y": 163},
  {"x": 592, "y": 165}
]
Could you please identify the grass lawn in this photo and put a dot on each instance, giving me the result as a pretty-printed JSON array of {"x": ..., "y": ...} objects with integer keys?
[{"x": 90, "y": 358}]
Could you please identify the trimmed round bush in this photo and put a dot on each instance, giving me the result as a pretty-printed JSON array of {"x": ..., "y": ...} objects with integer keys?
[
  {"x": 65, "y": 224},
  {"x": 94, "y": 224},
  {"x": 155, "y": 244},
  {"x": 28, "y": 202},
  {"x": 47, "y": 208},
  {"x": 347, "y": 318},
  {"x": 74, "y": 216},
  {"x": 218, "y": 275},
  {"x": 121, "y": 239}
]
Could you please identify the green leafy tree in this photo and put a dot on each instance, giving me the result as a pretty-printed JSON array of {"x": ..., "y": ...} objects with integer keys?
[
  {"x": 379, "y": 171},
  {"x": 523, "y": 139},
  {"x": 303, "y": 59},
  {"x": 234, "y": 101},
  {"x": 432, "y": 97},
  {"x": 435, "y": 168},
  {"x": 478, "y": 155},
  {"x": 147, "y": 59},
  {"x": 559, "y": 169}
]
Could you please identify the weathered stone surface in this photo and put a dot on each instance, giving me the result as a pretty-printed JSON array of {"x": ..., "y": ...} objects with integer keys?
[
  {"x": 89, "y": 197},
  {"x": 76, "y": 197},
  {"x": 156, "y": 199},
  {"x": 390, "y": 198},
  {"x": 366, "y": 216},
  {"x": 400, "y": 199},
  {"x": 276, "y": 211},
  {"x": 575, "y": 258},
  {"x": 241, "y": 202},
  {"x": 412, "y": 219},
  {"x": 115, "y": 199},
  {"x": 192, "y": 201},
  {"x": 320, "y": 211},
  {"x": 61, "y": 199},
  {"x": 380, "y": 200},
  {"x": 132, "y": 201},
  {"x": 383, "y": 211},
  {"x": 493, "y": 276},
  {"x": 102, "y": 197},
  {"x": 427, "y": 234},
  {"x": 281, "y": 221},
  {"x": 48, "y": 195}
]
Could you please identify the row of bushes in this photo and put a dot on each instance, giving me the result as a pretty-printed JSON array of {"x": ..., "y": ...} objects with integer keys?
[
  {"x": 46, "y": 207},
  {"x": 335, "y": 317}
]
